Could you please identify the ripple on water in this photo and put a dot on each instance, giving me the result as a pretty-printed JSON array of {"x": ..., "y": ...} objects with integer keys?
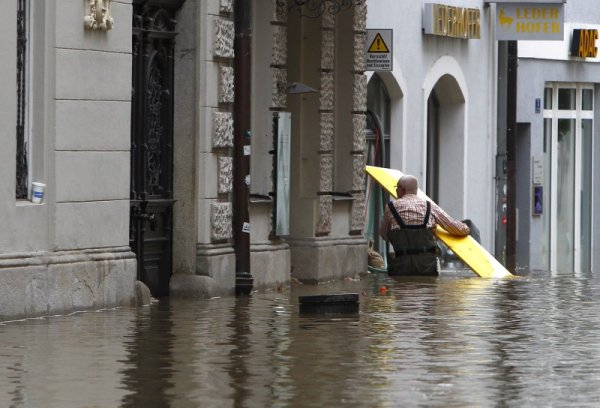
[{"x": 452, "y": 341}]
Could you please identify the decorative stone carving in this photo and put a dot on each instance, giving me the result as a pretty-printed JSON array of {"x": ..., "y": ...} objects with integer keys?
[
  {"x": 278, "y": 91},
  {"x": 223, "y": 39},
  {"x": 328, "y": 20},
  {"x": 327, "y": 90},
  {"x": 358, "y": 172},
  {"x": 220, "y": 221},
  {"x": 226, "y": 6},
  {"x": 226, "y": 90},
  {"x": 360, "y": 93},
  {"x": 280, "y": 11},
  {"x": 357, "y": 217},
  {"x": 225, "y": 183},
  {"x": 326, "y": 178},
  {"x": 97, "y": 15},
  {"x": 326, "y": 142},
  {"x": 279, "y": 52},
  {"x": 223, "y": 129},
  {"x": 325, "y": 210},
  {"x": 359, "y": 52},
  {"x": 359, "y": 124},
  {"x": 327, "y": 49}
]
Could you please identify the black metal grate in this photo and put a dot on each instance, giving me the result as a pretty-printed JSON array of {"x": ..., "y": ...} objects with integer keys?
[
  {"x": 152, "y": 101},
  {"x": 155, "y": 130},
  {"x": 22, "y": 165}
]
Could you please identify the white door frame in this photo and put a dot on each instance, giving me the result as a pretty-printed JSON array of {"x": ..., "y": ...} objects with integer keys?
[{"x": 555, "y": 114}]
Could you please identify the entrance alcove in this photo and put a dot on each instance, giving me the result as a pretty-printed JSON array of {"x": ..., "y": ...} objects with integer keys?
[{"x": 446, "y": 145}]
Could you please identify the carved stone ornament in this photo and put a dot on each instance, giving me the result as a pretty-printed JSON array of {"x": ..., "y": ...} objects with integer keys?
[{"x": 97, "y": 15}]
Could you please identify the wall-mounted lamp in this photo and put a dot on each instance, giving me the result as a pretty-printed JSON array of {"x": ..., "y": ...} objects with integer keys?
[{"x": 295, "y": 87}]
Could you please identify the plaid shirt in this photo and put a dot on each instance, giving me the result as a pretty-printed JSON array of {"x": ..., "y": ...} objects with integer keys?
[{"x": 412, "y": 211}]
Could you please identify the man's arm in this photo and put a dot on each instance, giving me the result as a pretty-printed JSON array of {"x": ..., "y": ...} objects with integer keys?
[
  {"x": 385, "y": 223},
  {"x": 452, "y": 226}
]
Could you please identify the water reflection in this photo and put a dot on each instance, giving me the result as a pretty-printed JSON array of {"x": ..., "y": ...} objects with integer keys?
[
  {"x": 452, "y": 341},
  {"x": 149, "y": 344},
  {"x": 62, "y": 361}
]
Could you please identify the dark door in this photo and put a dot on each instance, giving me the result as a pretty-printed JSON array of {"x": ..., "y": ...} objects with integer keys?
[
  {"x": 151, "y": 216},
  {"x": 524, "y": 190},
  {"x": 433, "y": 147}
]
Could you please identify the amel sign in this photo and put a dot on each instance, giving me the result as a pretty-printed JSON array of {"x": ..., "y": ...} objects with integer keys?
[
  {"x": 522, "y": 21},
  {"x": 451, "y": 21}
]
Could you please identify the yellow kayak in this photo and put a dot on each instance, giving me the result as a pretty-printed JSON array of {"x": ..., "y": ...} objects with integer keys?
[{"x": 466, "y": 248}]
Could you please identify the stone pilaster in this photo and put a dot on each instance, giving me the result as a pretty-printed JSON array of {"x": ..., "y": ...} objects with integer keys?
[
  {"x": 279, "y": 55},
  {"x": 359, "y": 119},
  {"x": 220, "y": 220},
  {"x": 222, "y": 138},
  {"x": 327, "y": 125}
]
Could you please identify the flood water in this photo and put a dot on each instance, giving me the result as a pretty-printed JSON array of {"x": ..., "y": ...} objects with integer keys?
[{"x": 452, "y": 341}]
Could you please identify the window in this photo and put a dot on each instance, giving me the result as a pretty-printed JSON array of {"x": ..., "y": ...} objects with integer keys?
[
  {"x": 22, "y": 69},
  {"x": 378, "y": 121}
]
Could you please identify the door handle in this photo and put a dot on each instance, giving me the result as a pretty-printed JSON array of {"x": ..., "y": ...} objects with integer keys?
[{"x": 152, "y": 220}]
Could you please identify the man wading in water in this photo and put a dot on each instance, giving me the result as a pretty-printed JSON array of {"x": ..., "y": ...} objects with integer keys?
[{"x": 408, "y": 224}]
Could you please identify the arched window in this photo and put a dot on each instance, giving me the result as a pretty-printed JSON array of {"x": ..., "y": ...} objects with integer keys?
[{"x": 378, "y": 123}]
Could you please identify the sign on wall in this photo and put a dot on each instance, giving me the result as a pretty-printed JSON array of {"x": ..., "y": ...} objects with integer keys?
[
  {"x": 379, "y": 55},
  {"x": 537, "y": 168},
  {"x": 451, "y": 21},
  {"x": 538, "y": 200},
  {"x": 579, "y": 44},
  {"x": 522, "y": 21},
  {"x": 525, "y": 1},
  {"x": 583, "y": 43}
]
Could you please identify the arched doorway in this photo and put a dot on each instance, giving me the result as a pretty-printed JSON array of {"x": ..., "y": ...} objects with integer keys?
[
  {"x": 445, "y": 144},
  {"x": 377, "y": 150},
  {"x": 384, "y": 147}
]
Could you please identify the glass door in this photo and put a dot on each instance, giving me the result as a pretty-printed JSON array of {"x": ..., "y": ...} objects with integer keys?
[
  {"x": 565, "y": 197},
  {"x": 568, "y": 126}
]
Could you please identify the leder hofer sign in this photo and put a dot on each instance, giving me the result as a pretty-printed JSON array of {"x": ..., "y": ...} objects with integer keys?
[{"x": 530, "y": 21}]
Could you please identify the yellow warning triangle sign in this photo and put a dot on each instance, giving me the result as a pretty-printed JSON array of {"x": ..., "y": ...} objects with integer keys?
[{"x": 378, "y": 45}]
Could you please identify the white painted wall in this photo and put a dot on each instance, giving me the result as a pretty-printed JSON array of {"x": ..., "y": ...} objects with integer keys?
[
  {"x": 419, "y": 61},
  {"x": 533, "y": 74},
  {"x": 79, "y": 92}
]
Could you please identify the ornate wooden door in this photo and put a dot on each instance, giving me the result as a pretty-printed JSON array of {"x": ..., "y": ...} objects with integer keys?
[{"x": 151, "y": 215}]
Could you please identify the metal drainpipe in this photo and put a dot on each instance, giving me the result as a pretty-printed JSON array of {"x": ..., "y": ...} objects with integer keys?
[
  {"x": 511, "y": 145},
  {"x": 241, "y": 145}
]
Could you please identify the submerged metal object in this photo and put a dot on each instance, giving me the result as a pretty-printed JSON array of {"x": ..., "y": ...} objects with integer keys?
[{"x": 343, "y": 303}]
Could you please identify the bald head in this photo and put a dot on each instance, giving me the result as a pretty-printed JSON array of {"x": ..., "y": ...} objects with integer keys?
[{"x": 409, "y": 184}]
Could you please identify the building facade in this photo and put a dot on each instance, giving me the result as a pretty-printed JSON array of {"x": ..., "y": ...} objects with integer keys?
[
  {"x": 557, "y": 103},
  {"x": 445, "y": 108},
  {"x": 65, "y": 119},
  {"x": 127, "y": 112},
  {"x": 437, "y": 105}
]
